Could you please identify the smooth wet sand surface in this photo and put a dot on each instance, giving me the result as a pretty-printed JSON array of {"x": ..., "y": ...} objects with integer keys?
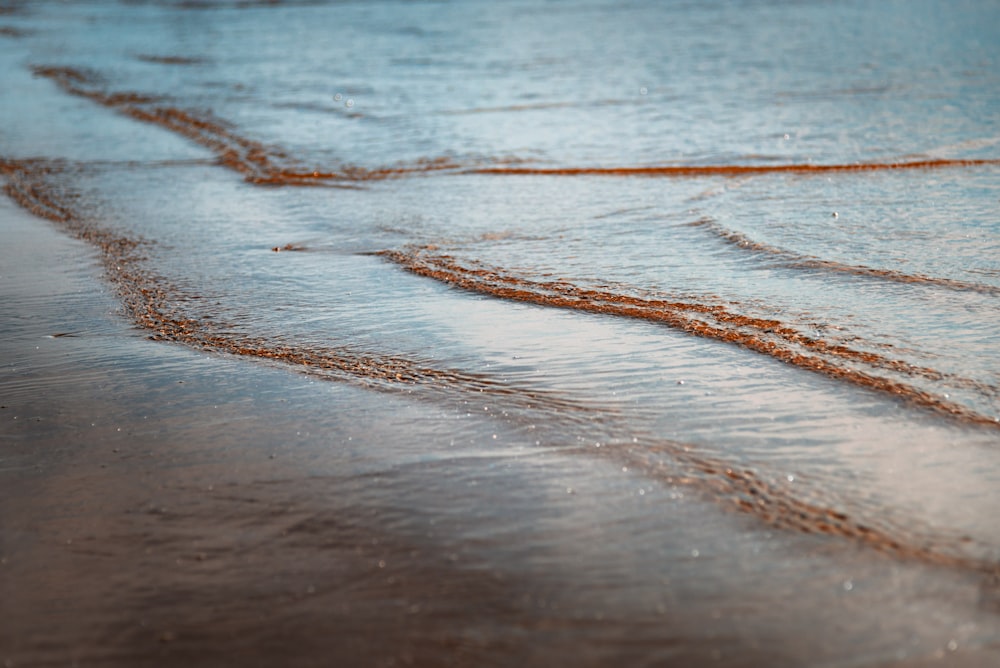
[{"x": 163, "y": 507}]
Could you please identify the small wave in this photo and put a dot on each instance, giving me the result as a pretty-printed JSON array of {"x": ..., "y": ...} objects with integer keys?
[
  {"x": 170, "y": 60},
  {"x": 259, "y": 163},
  {"x": 537, "y": 106},
  {"x": 798, "y": 261},
  {"x": 732, "y": 170},
  {"x": 262, "y": 164},
  {"x": 712, "y": 321},
  {"x": 782, "y": 507},
  {"x": 10, "y": 31},
  {"x": 156, "y": 305},
  {"x": 248, "y": 157},
  {"x": 32, "y": 193},
  {"x": 777, "y": 505},
  {"x": 170, "y": 314}
]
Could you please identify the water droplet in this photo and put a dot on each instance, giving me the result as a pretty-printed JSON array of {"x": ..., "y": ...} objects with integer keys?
[
  {"x": 338, "y": 97},
  {"x": 349, "y": 103},
  {"x": 643, "y": 90},
  {"x": 952, "y": 645},
  {"x": 695, "y": 553},
  {"x": 836, "y": 215},
  {"x": 848, "y": 585},
  {"x": 680, "y": 382},
  {"x": 787, "y": 137},
  {"x": 791, "y": 478},
  {"x": 381, "y": 563}
]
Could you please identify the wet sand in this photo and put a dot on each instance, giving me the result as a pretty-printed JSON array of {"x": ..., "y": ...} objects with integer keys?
[
  {"x": 456, "y": 456},
  {"x": 162, "y": 507}
]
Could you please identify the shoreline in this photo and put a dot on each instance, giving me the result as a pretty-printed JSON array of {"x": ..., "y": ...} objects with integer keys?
[
  {"x": 164, "y": 507},
  {"x": 673, "y": 412}
]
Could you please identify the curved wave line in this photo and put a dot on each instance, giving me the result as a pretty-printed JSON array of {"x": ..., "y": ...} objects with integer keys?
[
  {"x": 798, "y": 261},
  {"x": 259, "y": 163},
  {"x": 265, "y": 165},
  {"x": 733, "y": 170},
  {"x": 746, "y": 491},
  {"x": 770, "y": 337},
  {"x": 156, "y": 305}
]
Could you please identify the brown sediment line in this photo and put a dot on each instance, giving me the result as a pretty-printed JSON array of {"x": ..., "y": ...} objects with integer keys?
[
  {"x": 8, "y": 31},
  {"x": 539, "y": 106},
  {"x": 25, "y": 184},
  {"x": 352, "y": 173},
  {"x": 250, "y": 158},
  {"x": 744, "y": 490},
  {"x": 165, "y": 311},
  {"x": 264, "y": 165},
  {"x": 797, "y": 261},
  {"x": 170, "y": 60},
  {"x": 730, "y": 170},
  {"x": 770, "y": 337},
  {"x": 161, "y": 308},
  {"x": 258, "y": 163},
  {"x": 512, "y": 107},
  {"x": 371, "y": 370}
]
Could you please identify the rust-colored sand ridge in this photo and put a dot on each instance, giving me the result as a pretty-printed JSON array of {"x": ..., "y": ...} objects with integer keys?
[
  {"x": 26, "y": 185},
  {"x": 731, "y": 170},
  {"x": 744, "y": 490},
  {"x": 169, "y": 60},
  {"x": 259, "y": 163},
  {"x": 713, "y": 321},
  {"x": 9, "y": 31},
  {"x": 537, "y": 106},
  {"x": 353, "y": 173},
  {"x": 267, "y": 165},
  {"x": 170, "y": 314},
  {"x": 250, "y": 158},
  {"x": 153, "y": 303},
  {"x": 797, "y": 261}
]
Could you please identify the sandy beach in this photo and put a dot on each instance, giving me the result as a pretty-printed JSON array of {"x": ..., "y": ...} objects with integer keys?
[
  {"x": 455, "y": 341},
  {"x": 164, "y": 507}
]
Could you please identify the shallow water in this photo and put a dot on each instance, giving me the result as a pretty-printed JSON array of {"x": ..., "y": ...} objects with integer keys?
[{"x": 744, "y": 253}]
